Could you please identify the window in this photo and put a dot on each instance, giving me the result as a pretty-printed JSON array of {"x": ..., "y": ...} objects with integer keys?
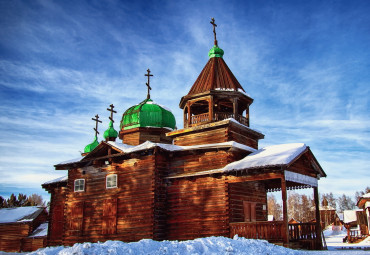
[
  {"x": 111, "y": 181},
  {"x": 79, "y": 185}
]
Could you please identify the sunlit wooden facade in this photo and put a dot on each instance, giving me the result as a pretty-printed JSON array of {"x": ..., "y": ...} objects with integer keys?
[{"x": 186, "y": 186}]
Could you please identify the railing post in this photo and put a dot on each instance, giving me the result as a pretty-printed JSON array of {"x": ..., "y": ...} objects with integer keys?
[
  {"x": 285, "y": 212},
  {"x": 318, "y": 240}
]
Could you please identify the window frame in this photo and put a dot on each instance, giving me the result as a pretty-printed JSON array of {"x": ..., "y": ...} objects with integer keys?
[
  {"x": 106, "y": 181},
  {"x": 83, "y": 186}
]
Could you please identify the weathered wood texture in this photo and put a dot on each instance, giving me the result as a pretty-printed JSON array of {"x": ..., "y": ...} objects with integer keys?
[
  {"x": 303, "y": 166},
  {"x": 140, "y": 135},
  {"x": 32, "y": 244},
  {"x": 122, "y": 213},
  {"x": 252, "y": 192},
  {"x": 197, "y": 208},
  {"x": 12, "y": 234},
  {"x": 56, "y": 218},
  {"x": 203, "y": 160},
  {"x": 223, "y": 131}
]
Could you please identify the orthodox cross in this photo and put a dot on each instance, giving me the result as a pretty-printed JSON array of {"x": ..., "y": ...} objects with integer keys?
[
  {"x": 111, "y": 112},
  {"x": 148, "y": 83},
  {"x": 96, "y": 127},
  {"x": 214, "y": 29}
]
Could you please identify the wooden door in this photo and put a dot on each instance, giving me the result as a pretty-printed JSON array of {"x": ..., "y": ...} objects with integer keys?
[
  {"x": 57, "y": 222},
  {"x": 249, "y": 211},
  {"x": 109, "y": 221}
]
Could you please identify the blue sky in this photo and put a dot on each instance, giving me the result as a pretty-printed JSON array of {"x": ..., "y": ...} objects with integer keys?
[{"x": 305, "y": 63}]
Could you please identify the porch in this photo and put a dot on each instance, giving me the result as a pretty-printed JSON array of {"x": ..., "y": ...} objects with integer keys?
[{"x": 302, "y": 235}]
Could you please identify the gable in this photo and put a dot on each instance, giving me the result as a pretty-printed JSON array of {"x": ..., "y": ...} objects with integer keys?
[{"x": 307, "y": 164}]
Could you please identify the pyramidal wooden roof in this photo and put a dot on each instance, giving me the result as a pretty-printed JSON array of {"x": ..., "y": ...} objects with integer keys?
[{"x": 216, "y": 75}]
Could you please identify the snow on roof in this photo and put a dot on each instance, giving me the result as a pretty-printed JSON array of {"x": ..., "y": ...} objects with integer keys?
[
  {"x": 274, "y": 155},
  {"x": 41, "y": 231},
  {"x": 350, "y": 215},
  {"x": 125, "y": 148},
  {"x": 326, "y": 208},
  {"x": 367, "y": 195},
  {"x": 60, "y": 179},
  {"x": 19, "y": 214},
  {"x": 71, "y": 161}
]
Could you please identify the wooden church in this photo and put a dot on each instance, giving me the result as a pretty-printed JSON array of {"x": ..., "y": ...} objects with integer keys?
[{"x": 208, "y": 179}]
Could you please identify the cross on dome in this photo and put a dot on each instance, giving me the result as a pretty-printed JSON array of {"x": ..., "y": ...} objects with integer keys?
[
  {"x": 148, "y": 83},
  {"x": 214, "y": 29},
  {"x": 96, "y": 126},
  {"x": 111, "y": 112}
]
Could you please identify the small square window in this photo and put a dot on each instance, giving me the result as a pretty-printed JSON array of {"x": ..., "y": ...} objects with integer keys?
[
  {"x": 79, "y": 185},
  {"x": 111, "y": 181}
]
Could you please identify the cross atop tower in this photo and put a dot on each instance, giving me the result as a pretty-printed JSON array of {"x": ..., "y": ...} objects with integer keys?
[
  {"x": 111, "y": 112},
  {"x": 214, "y": 29},
  {"x": 148, "y": 83},
  {"x": 96, "y": 126}
]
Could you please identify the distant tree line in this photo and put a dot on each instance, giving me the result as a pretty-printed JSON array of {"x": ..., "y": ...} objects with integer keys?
[
  {"x": 302, "y": 207},
  {"x": 21, "y": 200}
]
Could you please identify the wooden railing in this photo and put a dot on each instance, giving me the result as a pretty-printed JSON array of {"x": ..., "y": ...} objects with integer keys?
[
  {"x": 204, "y": 117},
  {"x": 196, "y": 119},
  {"x": 268, "y": 230},
  {"x": 302, "y": 231},
  {"x": 273, "y": 230}
]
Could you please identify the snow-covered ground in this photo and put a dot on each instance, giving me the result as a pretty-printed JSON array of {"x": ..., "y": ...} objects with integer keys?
[{"x": 209, "y": 245}]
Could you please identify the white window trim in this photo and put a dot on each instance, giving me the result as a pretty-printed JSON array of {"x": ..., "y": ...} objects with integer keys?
[
  {"x": 106, "y": 181},
  {"x": 83, "y": 188}
]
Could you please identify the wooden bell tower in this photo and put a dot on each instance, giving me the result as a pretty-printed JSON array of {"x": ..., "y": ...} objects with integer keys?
[{"x": 216, "y": 98}]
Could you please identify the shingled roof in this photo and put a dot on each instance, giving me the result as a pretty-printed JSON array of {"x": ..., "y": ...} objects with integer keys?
[{"x": 216, "y": 75}]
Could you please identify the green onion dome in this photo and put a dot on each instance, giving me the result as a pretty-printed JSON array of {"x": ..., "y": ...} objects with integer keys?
[
  {"x": 215, "y": 52},
  {"x": 90, "y": 147},
  {"x": 148, "y": 114},
  {"x": 110, "y": 132}
]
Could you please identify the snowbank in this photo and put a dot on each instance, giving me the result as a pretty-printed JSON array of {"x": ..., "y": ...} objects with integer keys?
[{"x": 209, "y": 245}]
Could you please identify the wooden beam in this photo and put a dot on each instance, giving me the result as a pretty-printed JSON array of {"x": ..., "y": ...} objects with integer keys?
[
  {"x": 258, "y": 177},
  {"x": 285, "y": 212},
  {"x": 318, "y": 220}
]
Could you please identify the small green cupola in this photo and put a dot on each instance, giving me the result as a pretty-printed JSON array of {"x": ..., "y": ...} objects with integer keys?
[
  {"x": 216, "y": 52},
  {"x": 90, "y": 147},
  {"x": 146, "y": 121},
  {"x": 111, "y": 134}
]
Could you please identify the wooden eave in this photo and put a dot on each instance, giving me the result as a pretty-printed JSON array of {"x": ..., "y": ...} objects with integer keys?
[
  {"x": 219, "y": 94},
  {"x": 50, "y": 186}
]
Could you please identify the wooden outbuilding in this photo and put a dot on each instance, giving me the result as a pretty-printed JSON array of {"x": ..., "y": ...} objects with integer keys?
[
  {"x": 21, "y": 227},
  {"x": 208, "y": 179}
]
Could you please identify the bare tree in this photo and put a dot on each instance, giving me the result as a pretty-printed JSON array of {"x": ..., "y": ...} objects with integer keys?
[{"x": 273, "y": 207}]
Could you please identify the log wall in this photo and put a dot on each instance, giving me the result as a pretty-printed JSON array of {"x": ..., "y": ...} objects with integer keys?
[
  {"x": 123, "y": 213},
  {"x": 254, "y": 192},
  {"x": 217, "y": 134},
  {"x": 197, "y": 208},
  {"x": 11, "y": 236},
  {"x": 56, "y": 217}
]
